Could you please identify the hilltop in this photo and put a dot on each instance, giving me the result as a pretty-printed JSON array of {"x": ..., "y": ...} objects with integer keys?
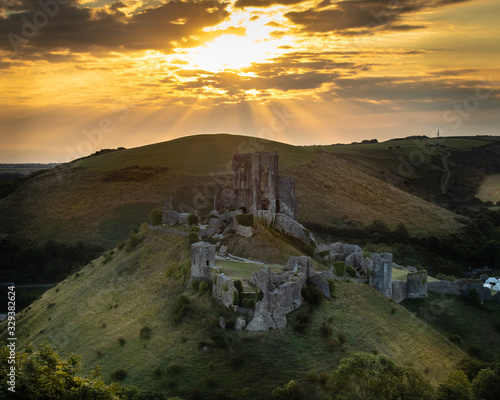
[
  {"x": 122, "y": 312},
  {"x": 97, "y": 199}
]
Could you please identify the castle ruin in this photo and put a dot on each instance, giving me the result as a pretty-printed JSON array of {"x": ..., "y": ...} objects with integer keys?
[{"x": 257, "y": 185}]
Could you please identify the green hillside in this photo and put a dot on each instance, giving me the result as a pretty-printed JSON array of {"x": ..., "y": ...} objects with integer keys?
[
  {"x": 119, "y": 312},
  {"x": 197, "y": 155}
]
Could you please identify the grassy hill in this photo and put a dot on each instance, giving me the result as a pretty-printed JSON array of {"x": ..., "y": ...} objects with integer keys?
[
  {"x": 97, "y": 199},
  {"x": 119, "y": 312}
]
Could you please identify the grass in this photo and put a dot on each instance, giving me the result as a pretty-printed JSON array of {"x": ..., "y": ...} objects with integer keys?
[
  {"x": 243, "y": 270},
  {"x": 118, "y": 299},
  {"x": 451, "y": 315},
  {"x": 400, "y": 275},
  {"x": 197, "y": 155}
]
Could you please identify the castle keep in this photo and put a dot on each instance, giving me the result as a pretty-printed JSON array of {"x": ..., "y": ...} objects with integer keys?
[{"x": 257, "y": 186}]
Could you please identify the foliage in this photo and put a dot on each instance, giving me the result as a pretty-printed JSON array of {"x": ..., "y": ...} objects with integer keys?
[
  {"x": 118, "y": 374},
  {"x": 156, "y": 217},
  {"x": 42, "y": 374},
  {"x": 339, "y": 268},
  {"x": 331, "y": 285},
  {"x": 380, "y": 227},
  {"x": 133, "y": 241},
  {"x": 325, "y": 330},
  {"x": 146, "y": 333},
  {"x": 245, "y": 219},
  {"x": 455, "y": 387},
  {"x": 204, "y": 286},
  {"x": 351, "y": 271},
  {"x": 193, "y": 237},
  {"x": 236, "y": 298},
  {"x": 177, "y": 269},
  {"x": 181, "y": 308},
  {"x": 368, "y": 376},
  {"x": 312, "y": 295},
  {"x": 192, "y": 219},
  {"x": 486, "y": 386},
  {"x": 475, "y": 298},
  {"x": 291, "y": 391}
]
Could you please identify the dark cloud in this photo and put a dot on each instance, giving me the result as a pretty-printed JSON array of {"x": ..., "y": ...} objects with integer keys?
[
  {"x": 82, "y": 30},
  {"x": 265, "y": 3},
  {"x": 351, "y": 17}
]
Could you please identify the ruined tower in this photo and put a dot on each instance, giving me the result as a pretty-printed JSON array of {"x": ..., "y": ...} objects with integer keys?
[
  {"x": 381, "y": 275},
  {"x": 202, "y": 260},
  {"x": 257, "y": 185}
]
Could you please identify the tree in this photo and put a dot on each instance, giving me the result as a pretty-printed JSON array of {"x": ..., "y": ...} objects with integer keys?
[
  {"x": 156, "y": 217},
  {"x": 44, "y": 375},
  {"x": 486, "y": 385},
  {"x": 455, "y": 387},
  {"x": 380, "y": 227}
]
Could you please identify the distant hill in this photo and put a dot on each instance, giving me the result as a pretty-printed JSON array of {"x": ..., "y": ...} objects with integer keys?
[
  {"x": 119, "y": 312},
  {"x": 98, "y": 198}
]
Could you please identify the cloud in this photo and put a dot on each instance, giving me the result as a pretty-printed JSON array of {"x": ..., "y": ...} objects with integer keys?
[
  {"x": 363, "y": 16},
  {"x": 78, "y": 29},
  {"x": 265, "y": 3}
]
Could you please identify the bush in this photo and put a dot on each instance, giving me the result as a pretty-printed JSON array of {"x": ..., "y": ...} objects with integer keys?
[
  {"x": 325, "y": 330},
  {"x": 195, "y": 285},
  {"x": 245, "y": 219},
  {"x": 121, "y": 341},
  {"x": 133, "y": 241},
  {"x": 236, "y": 298},
  {"x": 475, "y": 298},
  {"x": 351, "y": 271},
  {"x": 456, "y": 339},
  {"x": 331, "y": 285},
  {"x": 204, "y": 286},
  {"x": 193, "y": 237},
  {"x": 380, "y": 227},
  {"x": 177, "y": 270},
  {"x": 156, "y": 217},
  {"x": 339, "y": 268},
  {"x": 192, "y": 219},
  {"x": 146, "y": 333},
  {"x": 312, "y": 295},
  {"x": 342, "y": 338},
  {"x": 475, "y": 350},
  {"x": 118, "y": 375},
  {"x": 173, "y": 369},
  {"x": 181, "y": 307}
]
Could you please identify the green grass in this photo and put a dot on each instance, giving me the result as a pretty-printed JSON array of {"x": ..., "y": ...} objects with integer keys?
[
  {"x": 197, "y": 155},
  {"x": 89, "y": 313},
  {"x": 451, "y": 315},
  {"x": 400, "y": 275},
  {"x": 243, "y": 270}
]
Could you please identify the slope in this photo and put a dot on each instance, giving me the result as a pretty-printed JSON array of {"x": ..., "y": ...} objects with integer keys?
[{"x": 120, "y": 314}]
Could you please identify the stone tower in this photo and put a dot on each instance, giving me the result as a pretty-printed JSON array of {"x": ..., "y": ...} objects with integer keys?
[
  {"x": 381, "y": 275},
  {"x": 202, "y": 261},
  {"x": 257, "y": 185}
]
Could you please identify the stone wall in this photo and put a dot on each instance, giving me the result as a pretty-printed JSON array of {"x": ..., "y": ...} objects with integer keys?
[
  {"x": 416, "y": 284},
  {"x": 223, "y": 289},
  {"x": 286, "y": 202},
  {"x": 461, "y": 287},
  {"x": 381, "y": 274},
  {"x": 399, "y": 290},
  {"x": 288, "y": 226}
]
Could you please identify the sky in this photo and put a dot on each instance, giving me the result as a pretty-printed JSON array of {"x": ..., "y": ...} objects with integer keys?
[{"x": 80, "y": 75}]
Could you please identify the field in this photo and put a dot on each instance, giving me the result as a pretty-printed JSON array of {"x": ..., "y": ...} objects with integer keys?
[
  {"x": 244, "y": 270},
  {"x": 100, "y": 312}
]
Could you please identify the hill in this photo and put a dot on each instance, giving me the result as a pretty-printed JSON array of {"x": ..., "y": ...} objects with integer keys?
[
  {"x": 97, "y": 199},
  {"x": 122, "y": 312}
]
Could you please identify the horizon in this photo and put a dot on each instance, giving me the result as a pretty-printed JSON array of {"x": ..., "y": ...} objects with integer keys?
[{"x": 302, "y": 72}]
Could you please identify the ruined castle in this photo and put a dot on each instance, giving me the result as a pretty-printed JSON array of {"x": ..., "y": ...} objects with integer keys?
[{"x": 257, "y": 185}]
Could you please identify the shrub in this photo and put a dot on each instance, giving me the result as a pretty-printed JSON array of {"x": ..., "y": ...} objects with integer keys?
[
  {"x": 351, "y": 271},
  {"x": 177, "y": 270},
  {"x": 192, "y": 219},
  {"x": 173, "y": 369},
  {"x": 236, "y": 298},
  {"x": 204, "y": 286},
  {"x": 155, "y": 216},
  {"x": 456, "y": 339},
  {"x": 312, "y": 295},
  {"x": 195, "y": 285},
  {"x": 133, "y": 241},
  {"x": 181, "y": 307},
  {"x": 245, "y": 219},
  {"x": 475, "y": 350},
  {"x": 108, "y": 256},
  {"x": 475, "y": 298},
  {"x": 146, "y": 333},
  {"x": 342, "y": 338},
  {"x": 331, "y": 285},
  {"x": 325, "y": 330},
  {"x": 339, "y": 268},
  {"x": 194, "y": 228},
  {"x": 118, "y": 374},
  {"x": 193, "y": 237},
  {"x": 380, "y": 227},
  {"x": 121, "y": 341}
]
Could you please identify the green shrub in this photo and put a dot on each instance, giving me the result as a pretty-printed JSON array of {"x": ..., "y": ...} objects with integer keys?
[
  {"x": 193, "y": 237},
  {"x": 173, "y": 369},
  {"x": 339, "y": 268},
  {"x": 146, "y": 333},
  {"x": 380, "y": 227},
  {"x": 121, "y": 341},
  {"x": 177, "y": 270},
  {"x": 245, "y": 219},
  {"x": 325, "y": 330},
  {"x": 351, "y": 271},
  {"x": 456, "y": 339},
  {"x": 236, "y": 298},
  {"x": 204, "y": 286},
  {"x": 108, "y": 256},
  {"x": 475, "y": 350},
  {"x": 331, "y": 285},
  {"x": 133, "y": 241},
  {"x": 195, "y": 228},
  {"x": 118, "y": 375},
  {"x": 475, "y": 298},
  {"x": 342, "y": 338},
  {"x": 155, "y": 216},
  {"x": 192, "y": 219},
  {"x": 312, "y": 295},
  {"x": 324, "y": 253},
  {"x": 181, "y": 308},
  {"x": 195, "y": 285}
]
